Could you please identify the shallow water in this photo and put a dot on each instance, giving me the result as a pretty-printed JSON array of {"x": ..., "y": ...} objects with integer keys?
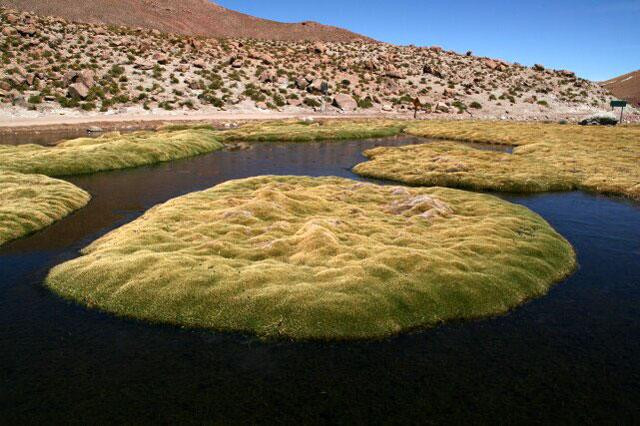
[
  {"x": 48, "y": 137},
  {"x": 573, "y": 355}
]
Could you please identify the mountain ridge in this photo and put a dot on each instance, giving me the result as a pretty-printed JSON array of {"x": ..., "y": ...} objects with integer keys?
[
  {"x": 626, "y": 86},
  {"x": 187, "y": 17}
]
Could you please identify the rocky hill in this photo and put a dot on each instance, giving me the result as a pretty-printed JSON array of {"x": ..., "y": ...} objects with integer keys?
[
  {"x": 190, "y": 17},
  {"x": 625, "y": 87},
  {"x": 50, "y": 65}
]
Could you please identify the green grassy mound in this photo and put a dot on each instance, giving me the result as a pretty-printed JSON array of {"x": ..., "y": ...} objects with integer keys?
[
  {"x": 108, "y": 152},
  {"x": 319, "y": 258},
  {"x": 300, "y": 131},
  {"x": 32, "y": 202},
  {"x": 547, "y": 157}
]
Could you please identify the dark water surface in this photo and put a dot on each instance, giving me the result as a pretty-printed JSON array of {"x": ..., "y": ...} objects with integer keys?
[{"x": 572, "y": 356}]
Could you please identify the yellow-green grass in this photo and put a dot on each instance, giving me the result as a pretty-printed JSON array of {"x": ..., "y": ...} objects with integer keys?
[
  {"x": 300, "y": 131},
  {"x": 108, "y": 152},
  {"x": 319, "y": 258},
  {"x": 547, "y": 157},
  {"x": 29, "y": 203}
]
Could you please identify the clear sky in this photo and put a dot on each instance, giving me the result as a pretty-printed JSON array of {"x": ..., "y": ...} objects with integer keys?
[{"x": 597, "y": 39}]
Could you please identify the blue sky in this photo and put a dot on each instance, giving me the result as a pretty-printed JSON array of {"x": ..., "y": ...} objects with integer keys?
[{"x": 597, "y": 39}]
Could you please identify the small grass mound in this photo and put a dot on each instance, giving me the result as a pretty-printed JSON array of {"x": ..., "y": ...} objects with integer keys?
[
  {"x": 108, "y": 152},
  {"x": 32, "y": 202},
  {"x": 319, "y": 258},
  {"x": 301, "y": 131},
  {"x": 547, "y": 157}
]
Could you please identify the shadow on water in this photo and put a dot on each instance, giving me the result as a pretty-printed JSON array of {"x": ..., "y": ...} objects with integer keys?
[{"x": 573, "y": 355}]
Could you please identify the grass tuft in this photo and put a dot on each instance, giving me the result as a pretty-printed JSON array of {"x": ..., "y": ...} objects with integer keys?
[
  {"x": 108, "y": 152},
  {"x": 32, "y": 202},
  {"x": 319, "y": 258},
  {"x": 300, "y": 131},
  {"x": 547, "y": 157}
]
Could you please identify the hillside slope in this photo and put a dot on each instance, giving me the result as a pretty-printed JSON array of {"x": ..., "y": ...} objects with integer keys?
[
  {"x": 191, "y": 17},
  {"x": 49, "y": 66},
  {"x": 625, "y": 87}
]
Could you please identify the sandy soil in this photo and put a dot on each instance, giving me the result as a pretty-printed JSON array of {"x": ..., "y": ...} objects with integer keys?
[{"x": 145, "y": 121}]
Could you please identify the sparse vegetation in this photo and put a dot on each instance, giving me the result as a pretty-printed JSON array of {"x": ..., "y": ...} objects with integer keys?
[{"x": 127, "y": 67}]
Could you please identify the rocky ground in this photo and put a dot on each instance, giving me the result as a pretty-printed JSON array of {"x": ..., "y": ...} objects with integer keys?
[{"x": 51, "y": 67}]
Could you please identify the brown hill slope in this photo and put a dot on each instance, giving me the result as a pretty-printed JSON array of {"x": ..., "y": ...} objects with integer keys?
[
  {"x": 625, "y": 87},
  {"x": 191, "y": 17}
]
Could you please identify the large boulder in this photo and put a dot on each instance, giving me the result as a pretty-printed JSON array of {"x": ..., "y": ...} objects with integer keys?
[
  {"x": 345, "y": 102},
  {"x": 301, "y": 83},
  {"x": 602, "y": 119},
  {"x": 395, "y": 73},
  {"x": 267, "y": 76},
  {"x": 318, "y": 86},
  {"x": 87, "y": 77},
  {"x": 78, "y": 91},
  {"x": 428, "y": 69},
  {"x": 15, "y": 80},
  {"x": 144, "y": 65},
  {"x": 442, "y": 107},
  {"x": 161, "y": 58}
]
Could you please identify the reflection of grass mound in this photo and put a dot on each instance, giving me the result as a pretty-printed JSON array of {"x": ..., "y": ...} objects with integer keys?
[
  {"x": 32, "y": 202},
  {"x": 324, "y": 258},
  {"x": 108, "y": 152},
  {"x": 299, "y": 131},
  {"x": 548, "y": 157}
]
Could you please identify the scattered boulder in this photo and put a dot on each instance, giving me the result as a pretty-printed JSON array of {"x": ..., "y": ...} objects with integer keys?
[
  {"x": 27, "y": 31},
  {"x": 267, "y": 76},
  {"x": 600, "y": 119},
  {"x": 345, "y": 102},
  {"x": 428, "y": 69},
  {"x": 395, "y": 73},
  {"x": 319, "y": 48},
  {"x": 442, "y": 107},
  {"x": 318, "y": 86},
  {"x": 78, "y": 91},
  {"x": 15, "y": 80},
  {"x": 161, "y": 58},
  {"x": 87, "y": 77},
  {"x": 301, "y": 83},
  {"x": 144, "y": 65}
]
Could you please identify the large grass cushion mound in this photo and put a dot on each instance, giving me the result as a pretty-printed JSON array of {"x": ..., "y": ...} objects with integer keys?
[
  {"x": 319, "y": 258},
  {"x": 29, "y": 203}
]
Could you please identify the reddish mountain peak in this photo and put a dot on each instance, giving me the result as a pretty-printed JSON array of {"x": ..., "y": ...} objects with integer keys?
[{"x": 193, "y": 17}]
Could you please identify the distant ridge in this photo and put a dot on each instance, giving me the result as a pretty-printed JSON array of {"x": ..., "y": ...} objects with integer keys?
[
  {"x": 625, "y": 87},
  {"x": 191, "y": 17}
]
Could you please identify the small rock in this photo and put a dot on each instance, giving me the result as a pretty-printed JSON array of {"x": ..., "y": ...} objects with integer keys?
[{"x": 94, "y": 129}]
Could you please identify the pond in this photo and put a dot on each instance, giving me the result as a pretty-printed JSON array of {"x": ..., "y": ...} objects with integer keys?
[{"x": 573, "y": 355}]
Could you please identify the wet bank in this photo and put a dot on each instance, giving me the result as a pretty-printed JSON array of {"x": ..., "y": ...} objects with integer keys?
[{"x": 573, "y": 355}]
